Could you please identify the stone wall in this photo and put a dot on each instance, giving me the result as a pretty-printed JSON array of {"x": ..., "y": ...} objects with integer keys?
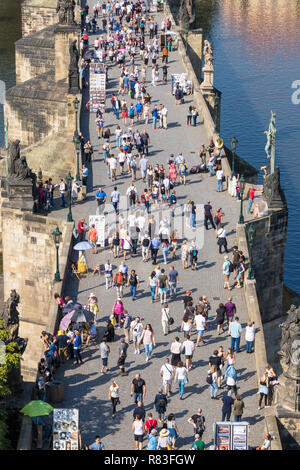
[
  {"x": 37, "y": 108},
  {"x": 37, "y": 15},
  {"x": 29, "y": 266},
  {"x": 34, "y": 55},
  {"x": 268, "y": 262}
]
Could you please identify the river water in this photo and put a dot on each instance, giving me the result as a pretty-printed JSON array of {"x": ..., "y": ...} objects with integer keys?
[{"x": 255, "y": 45}]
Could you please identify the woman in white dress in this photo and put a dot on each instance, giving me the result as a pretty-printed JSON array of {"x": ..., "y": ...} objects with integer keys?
[{"x": 184, "y": 254}]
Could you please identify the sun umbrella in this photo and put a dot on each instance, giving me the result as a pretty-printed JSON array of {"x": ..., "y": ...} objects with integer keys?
[
  {"x": 66, "y": 321},
  {"x": 82, "y": 246},
  {"x": 37, "y": 408},
  {"x": 83, "y": 315},
  {"x": 71, "y": 306}
]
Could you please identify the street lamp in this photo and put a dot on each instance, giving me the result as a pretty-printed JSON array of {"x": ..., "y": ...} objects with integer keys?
[
  {"x": 77, "y": 149},
  {"x": 76, "y": 106},
  {"x": 233, "y": 143},
  {"x": 242, "y": 188},
  {"x": 251, "y": 233},
  {"x": 57, "y": 237},
  {"x": 69, "y": 180}
]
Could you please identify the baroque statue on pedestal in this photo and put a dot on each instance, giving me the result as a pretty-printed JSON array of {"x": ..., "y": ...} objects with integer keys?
[{"x": 65, "y": 11}]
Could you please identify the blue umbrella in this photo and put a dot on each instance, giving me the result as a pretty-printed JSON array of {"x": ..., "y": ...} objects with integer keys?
[{"x": 82, "y": 246}]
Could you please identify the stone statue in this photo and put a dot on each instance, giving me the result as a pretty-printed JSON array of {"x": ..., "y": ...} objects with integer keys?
[
  {"x": 10, "y": 315},
  {"x": 290, "y": 344},
  {"x": 208, "y": 54},
  {"x": 18, "y": 167},
  {"x": 186, "y": 14},
  {"x": 65, "y": 10},
  {"x": 270, "y": 145},
  {"x": 73, "y": 68}
]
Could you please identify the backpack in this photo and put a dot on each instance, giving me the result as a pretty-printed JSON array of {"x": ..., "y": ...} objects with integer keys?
[
  {"x": 162, "y": 284},
  {"x": 133, "y": 165},
  {"x": 194, "y": 253},
  {"x": 145, "y": 242},
  {"x": 143, "y": 198},
  {"x": 161, "y": 403},
  {"x": 195, "y": 169},
  {"x": 200, "y": 425},
  {"x": 132, "y": 194},
  {"x": 209, "y": 379},
  {"x": 216, "y": 220},
  {"x": 131, "y": 113},
  {"x": 231, "y": 267}
]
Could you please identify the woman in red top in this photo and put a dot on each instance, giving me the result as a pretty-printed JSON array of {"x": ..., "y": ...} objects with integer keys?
[{"x": 172, "y": 173}]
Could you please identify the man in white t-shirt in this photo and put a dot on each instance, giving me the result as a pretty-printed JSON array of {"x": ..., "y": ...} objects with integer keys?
[
  {"x": 167, "y": 374},
  {"x": 200, "y": 324},
  {"x": 136, "y": 328},
  {"x": 122, "y": 158},
  {"x": 220, "y": 176},
  {"x": 164, "y": 114},
  {"x": 131, "y": 219},
  {"x": 189, "y": 348},
  {"x": 141, "y": 222},
  {"x": 113, "y": 167}
]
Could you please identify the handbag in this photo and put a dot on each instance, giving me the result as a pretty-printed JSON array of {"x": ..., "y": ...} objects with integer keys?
[
  {"x": 186, "y": 380},
  {"x": 170, "y": 321}
]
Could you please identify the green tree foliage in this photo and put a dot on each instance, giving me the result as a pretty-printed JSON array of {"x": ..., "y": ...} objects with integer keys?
[{"x": 12, "y": 360}]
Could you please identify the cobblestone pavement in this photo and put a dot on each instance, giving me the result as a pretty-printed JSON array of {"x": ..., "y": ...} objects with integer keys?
[{"x": 85, "y": 387}]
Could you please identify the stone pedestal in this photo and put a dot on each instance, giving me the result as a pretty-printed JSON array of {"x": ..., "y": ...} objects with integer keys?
[
  {"x": 289, "y": 428},
  {"x": 207, "y": 86},
  {"x": 19, "y": 193},
  {"x": 64, "y": 35},
  {"x": 195, "y": 41}
]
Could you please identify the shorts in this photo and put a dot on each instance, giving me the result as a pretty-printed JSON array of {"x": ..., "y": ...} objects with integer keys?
[
  {"x": 121, "y": 361},
  {"x": 104, "y": 361},
  {"x": 138, "y": 438},
  {"x": 189, "y": 356},
  {"x": 200, "y": 333},
  {"x": 220, "y": 322},
  {"x": 136, "y": 338},
  {"x": 162, "y": 290},
  {"x": 121, "y": 163},
  {"x": 167, "y": 382}
]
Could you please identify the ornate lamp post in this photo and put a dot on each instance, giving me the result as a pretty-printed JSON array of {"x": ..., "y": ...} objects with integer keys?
[
  {"x": 57, "y": 238},
  {"x": 233, "y": 144},
  {"x": 76, "y": 105},
  {"x": 251, "y": 233},
  {"x": 242, "y": 187},
  {"x": 69, "y": 180}
]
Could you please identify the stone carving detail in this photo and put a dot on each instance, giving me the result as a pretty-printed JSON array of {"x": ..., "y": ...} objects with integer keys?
[
  {"x": 10, "y": 317},
  {"x": 290, "y": 344},
  {"x": 73, "y": 68},
  {"x": 207, "y": 86},
  {"x": 186, "y": 14},
  {"x": 18, "y": 167},
  {"x": 65, "y": 10},
  {"x": 208, "y": 54},
  {"x": 273, "y": 193},
  {"x": 271, "y": 133}
]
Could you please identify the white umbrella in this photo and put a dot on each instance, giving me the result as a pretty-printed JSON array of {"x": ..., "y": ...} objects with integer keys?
[{"x": 82, "y": 246}]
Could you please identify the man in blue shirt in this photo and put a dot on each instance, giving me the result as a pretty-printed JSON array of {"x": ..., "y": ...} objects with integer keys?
[
  {"x": 155, "y": 116},
  {"x": 235, "y": 329},
  {"x": 85, "y": 174},
  {"x": 154, "y": 246},
  {"x": 228, "y": 402},
  {"x": 97, "y": 445},
  {"x": 139, "y": 110},
  {"x": 173, "y": 279},
  {"x": 100, "y": 198}
]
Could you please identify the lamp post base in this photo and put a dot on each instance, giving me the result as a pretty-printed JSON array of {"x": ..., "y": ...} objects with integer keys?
[
  {"x": 57, "y": 277},
  {"x": 241, "y": 220},
  {"x": 69, "y": 218}
]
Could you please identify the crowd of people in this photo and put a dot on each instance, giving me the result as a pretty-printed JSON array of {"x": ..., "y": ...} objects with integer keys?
[{"x": 130, "y": 35}]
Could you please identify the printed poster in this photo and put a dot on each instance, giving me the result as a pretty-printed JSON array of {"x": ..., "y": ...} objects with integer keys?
[
  {"x": 65, "y": 429},
  {"x": 99, "y": 222}
]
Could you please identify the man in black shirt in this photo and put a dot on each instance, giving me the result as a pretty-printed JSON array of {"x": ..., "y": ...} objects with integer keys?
[
  {"x": 208, "y": 215},
  {"x": 160, "y": 403},
  {"x": 198, "y": 421},
  {"x": 62, "y": 343},
  {"x": 145, "y": 142},
  {"x": 139, "y": 410},
  {"x": 122, "y": 355},
  {"x": 216, "y": 360},
  {"x": 187, "y": 298},
  {"x": 138, "y": 389}
]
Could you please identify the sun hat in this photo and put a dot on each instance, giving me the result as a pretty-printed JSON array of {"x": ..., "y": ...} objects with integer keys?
[
  {"x": 92, "y": 295},
  {"x": 188, "y": 291},
  {"x": 164, "y": 433}
]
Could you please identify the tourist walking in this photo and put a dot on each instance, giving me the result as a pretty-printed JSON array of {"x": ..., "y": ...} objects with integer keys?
[
  {"x": 198, "y": 422},
  {"x": 133, "y": 283},
  {"x": 165, "y": 318},
  {"x": 160, "y": 403},
  {"x": 148, "y": 339},
  {"x": 139, "y": 430},
  {"x": 238, "y": 408},
  {"x": 228, "y": 403},
  {"x": 122, "y": 356},
  {"x": 212, "y": 379},
  {"x": 189, "y": 348},
  {"x": 249, "y": 336},
  {"x": 226, "y": 272},
  {"x": 138, "y": 389},
  {"x": 167, "y": 374},
  {"x": 263, "y": 390},
  {"x": 136, "y": 329},
  {"x": 181, "y": 376},
  {"x": 104, "y": 353},
  {"x": 235, "y": 330},
  {"x": 113, "y": 395},
  {"x": 175, "y": 350}
]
